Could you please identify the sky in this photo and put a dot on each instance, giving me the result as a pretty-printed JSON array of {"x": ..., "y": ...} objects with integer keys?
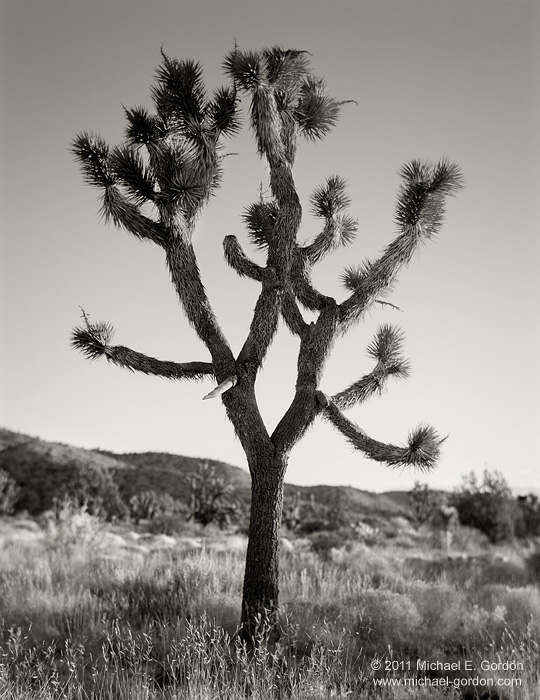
[{"x": 431, "y": 78}]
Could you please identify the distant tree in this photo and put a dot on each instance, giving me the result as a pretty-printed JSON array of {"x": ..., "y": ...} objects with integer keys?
[
  {"x": 92, "y": 486},
  {"x": 487, "y": 505},
  {"x": 155, "y": 185},
  {"x": 422, "y": 502},
  {"x": 9, "y": 492},
  {"x": 210, "y": 498}
]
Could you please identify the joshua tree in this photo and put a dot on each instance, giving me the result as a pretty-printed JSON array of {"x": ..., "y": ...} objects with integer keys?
[
  {"x": 422, "y": 502},
  {"x": 155, "y": 184}
]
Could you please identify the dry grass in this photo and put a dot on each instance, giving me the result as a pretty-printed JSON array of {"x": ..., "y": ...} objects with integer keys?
[{"x": 93, "y": 614}]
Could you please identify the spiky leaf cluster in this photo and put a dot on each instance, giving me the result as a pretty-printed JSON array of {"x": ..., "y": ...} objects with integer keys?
[
  {"x": 130, "y": 169},
  {"x": 92, "y": 339},
  {"x": 285, "y": 97},
  {"x": 245, "y": 68},
  {"x": 93, "y": 153},
  {"x": 285, "y": 68},
  {"x": 143, "y": 128},
  {"x": 386, "y": 349},
  {"x": 328, "y": 202},
  {"x": 260, "y": 220},
  {"x": 353, "y": 276},
  {"x": 316, "y": 112},
  {"x": 421, "y": 198},
  {"x": 170, "y": 159},
  {"x": 423, "y": 448},
  {"x": 329, "y": 199}
]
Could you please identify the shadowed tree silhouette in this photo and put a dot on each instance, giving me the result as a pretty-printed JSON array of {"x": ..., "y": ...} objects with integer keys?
[{"x": 155, "y": 184}]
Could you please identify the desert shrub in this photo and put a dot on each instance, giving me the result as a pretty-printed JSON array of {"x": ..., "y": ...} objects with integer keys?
[
  {"x": 93, "y": 486},
  {"x": 71, "y": 525},
  {"x": 167, "y": 524},
  {"x": 329, "y": 514},
  {"x": 369, "y": 535},
  {"x": 386, "y": 618},
  {"x": 532, "y": 562},
  {"x": 211, "y": 500},
  {"x": 507, "y": 573},
  {"x": 467, "y": 573},
  {"x": 324, "y": 541},
  {"x": 449, "y": 620},
  {"x": 314, "y": 524},
  {"x": 518, "y": 608},
  {"x": 488, "y": 506},
  {"x": 9, "y": 493},
  {"x": 469, "y": 540},
  {"x": 527, "y": 518},
  {"x": 45, "y": 481},
  {"x": 149, "y": 505},
  {"x": 322, "y": 520}
]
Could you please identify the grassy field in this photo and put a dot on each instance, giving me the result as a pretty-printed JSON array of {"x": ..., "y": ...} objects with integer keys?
[{"x": 92, "y": 611}]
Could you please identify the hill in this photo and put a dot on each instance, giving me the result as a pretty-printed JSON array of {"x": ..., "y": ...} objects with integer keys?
[
  {"x": 41, "y": 468},
  {"x": 167, "y": 473},
  {"x": 46, "y": 470}
]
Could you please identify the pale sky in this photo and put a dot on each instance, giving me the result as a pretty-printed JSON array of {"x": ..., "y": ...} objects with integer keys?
[{"x": 431, "y": 78}]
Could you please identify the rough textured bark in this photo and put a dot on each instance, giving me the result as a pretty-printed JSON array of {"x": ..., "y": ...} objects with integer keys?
[{"x": 261, "y": 579}]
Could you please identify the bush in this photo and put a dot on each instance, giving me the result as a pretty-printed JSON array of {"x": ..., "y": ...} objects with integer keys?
[
  {"x": 9, "y": 492},
  {"x": 149, "y": 505},
  {"x": 168, "y": 524},
  {"x": 210, "y": 499},
  {"x": 324, "y": 542},
  {"x": 329, "y": 516},
  {"x": 533, "y": 566},
  {"x": 528, "y": 516},
  {"x": 388, "y": 618},
  {"x": 488, "y": 506},
  {"x": 43, "y": 480},
  {"x": 93, "y": 487},
  {"x": 70, "y": 525}
]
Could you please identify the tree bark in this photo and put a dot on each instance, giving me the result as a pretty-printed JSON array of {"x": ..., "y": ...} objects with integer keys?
[{"x": 261, "y": 580}]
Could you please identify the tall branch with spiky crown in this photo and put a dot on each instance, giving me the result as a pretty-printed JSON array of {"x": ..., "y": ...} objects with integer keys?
[{"x": 155, "y": 184}]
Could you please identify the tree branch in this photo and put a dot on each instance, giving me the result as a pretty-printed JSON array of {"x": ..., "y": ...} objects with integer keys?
[
  {"x": 386, "y": 350},
  {"x": 338, "y": 231},
  {"x": 419, "y": 215},
  {"x": 99, "y": 168},
  {"x": 94, "y": 341},
  {"x": 265, "y": 321},
  {"x": 303, "y": 287},
  {"x": 327, "y": 202},
  {"x": 118, "y": 209},
  {"x": 261, "y": 76},
  {"x": 360, "y": 391},
  {"x": 238, "y": 260},
  {"x": 292, "y": 315},
  {"x": 182, "y": 263},
  {"x": 315, "y": 346},
  {"x": 422, "y": 450}
]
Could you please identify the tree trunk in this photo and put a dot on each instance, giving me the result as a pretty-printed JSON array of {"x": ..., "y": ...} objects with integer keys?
[{"x": 261, "y": 580}]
